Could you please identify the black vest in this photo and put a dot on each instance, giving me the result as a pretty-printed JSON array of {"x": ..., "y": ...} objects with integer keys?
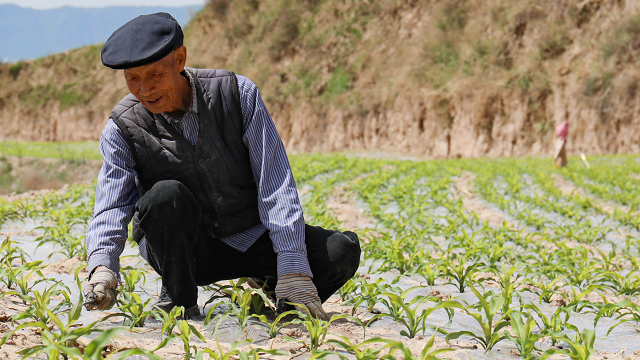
[{"x": 217, "y": 170}]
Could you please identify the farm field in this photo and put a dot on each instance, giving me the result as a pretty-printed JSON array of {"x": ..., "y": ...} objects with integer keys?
[{"x": 462, "y": 259}]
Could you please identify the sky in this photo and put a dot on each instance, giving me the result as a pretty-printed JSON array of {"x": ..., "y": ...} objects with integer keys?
[{"x": 50, "y": 4}]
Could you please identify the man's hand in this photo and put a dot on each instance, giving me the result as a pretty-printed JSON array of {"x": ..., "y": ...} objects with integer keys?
[
  {"x": 299, "y": 289},
  {"x": 100, "y": 291}
]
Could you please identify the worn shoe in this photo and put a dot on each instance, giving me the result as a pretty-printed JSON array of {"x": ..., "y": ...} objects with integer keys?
[{"x": 164, "y": 303}]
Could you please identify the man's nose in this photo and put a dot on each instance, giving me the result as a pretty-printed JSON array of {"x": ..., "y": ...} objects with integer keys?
[{"x": 146, "y": 88}]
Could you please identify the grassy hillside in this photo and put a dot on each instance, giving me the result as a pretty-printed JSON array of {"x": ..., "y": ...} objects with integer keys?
[
  {"x": 67, "y": 96},
  {"x": 444, "y": 78}
]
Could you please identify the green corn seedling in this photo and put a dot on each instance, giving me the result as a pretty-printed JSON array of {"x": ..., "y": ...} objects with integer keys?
[
  {"x": 72, "y": 246},
  {"x": 274, "y": 327},
  {"x": 37, "y": 312},
  {"x": 95, "y": 348},
  {"x": 169, "y": 319},
  {"x": 361, "y": 351},
  {"x": 348, "y": 290},
  {"x": 60, "y": 342},
  {"x": 427, "y": 352},
  {"x": 10, "y": 253},
  {"x": 248, "y": 301},
  {"x": 369, "y": 293},
  {"x": 186, "y": 330},
  {"x": 459, "y": 271},
  {"x": 131, "y": 276},
  {"x": 364, "y": 351},
  {"x": 235, "y": 353},
  {"x": 523, "y": 338},
  {"x": 508, "y": 281},
  {"x": 628, "y": 284},
  {"x": 11, "y": 275},
  {"x": 580, "y": 346},
  {"x": 409, "y": 315},
  {"x": 25, "y": 283},
  {"x": 625, "y": 310},
  {"x": 133, "y": 308},
  {"x": 556, "y": 323},
  {"x": 317, "y": 328},
  {"x": 432, "y": 273},
  {"x": 547, "y": 289},
  {"x": 128, "y": 353},
  {"x": 230, "y": 292},
  {"x": 490, "y": 304}
]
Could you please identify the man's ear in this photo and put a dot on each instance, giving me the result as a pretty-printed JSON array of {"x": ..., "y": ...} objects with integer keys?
[{"x": 180, "y": 57}]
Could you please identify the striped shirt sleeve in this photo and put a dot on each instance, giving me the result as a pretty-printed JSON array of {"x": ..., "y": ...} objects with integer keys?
[
  {"x": 116, "y": 195},
  {"x": 278, "y": 203}
]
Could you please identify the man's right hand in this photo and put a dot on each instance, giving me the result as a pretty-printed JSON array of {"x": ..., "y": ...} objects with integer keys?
[
  {"x": 298, "y": 288},
  {"x": 100, "y": 291}
]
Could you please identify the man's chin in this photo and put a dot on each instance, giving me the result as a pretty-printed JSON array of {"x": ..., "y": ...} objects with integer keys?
[{"x": 154, "y": 109}]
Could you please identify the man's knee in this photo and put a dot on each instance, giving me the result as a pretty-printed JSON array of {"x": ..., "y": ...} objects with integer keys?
[
  {"x": 168, "y": 204},
  {"x": 345, "y": 253},
  {"x": 164, "y": 196}
]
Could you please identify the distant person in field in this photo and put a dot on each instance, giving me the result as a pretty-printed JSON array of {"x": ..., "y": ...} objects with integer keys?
[
  {"x": 193, "y": 158},
  {"x": 560, "y": 158}
]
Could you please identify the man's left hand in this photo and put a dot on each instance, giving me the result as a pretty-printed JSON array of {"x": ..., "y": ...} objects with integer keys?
[{"x": 299, "y": 289}]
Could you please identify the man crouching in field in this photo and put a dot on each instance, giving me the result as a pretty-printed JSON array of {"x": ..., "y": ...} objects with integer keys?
[{"x": 193, "y": 158}]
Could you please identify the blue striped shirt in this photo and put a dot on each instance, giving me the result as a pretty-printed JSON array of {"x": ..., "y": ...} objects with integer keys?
[{"x": 278, "y": 203}]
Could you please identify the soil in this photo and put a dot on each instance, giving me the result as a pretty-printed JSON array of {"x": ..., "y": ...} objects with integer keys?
[
  {"x": 64, "y": 266},
  {"x": 567, "y": 188},
  {"x": 343, "y": 204},
  {"x": 474, "y": 204},
  {"x": 10, "y": 305}
]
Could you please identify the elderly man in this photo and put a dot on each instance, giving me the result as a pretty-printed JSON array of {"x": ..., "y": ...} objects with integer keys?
[{"x": 193, "y": 158}]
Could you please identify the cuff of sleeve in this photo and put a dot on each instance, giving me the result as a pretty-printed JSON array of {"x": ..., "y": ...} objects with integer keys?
[
  {"x": 103, "y": 260},
  {"x": 293, "y": 262}
]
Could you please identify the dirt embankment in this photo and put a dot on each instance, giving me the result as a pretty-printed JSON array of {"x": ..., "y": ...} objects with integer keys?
[
  {"x": 441, "y": 78},
  {"x": 22, "y": 177}
]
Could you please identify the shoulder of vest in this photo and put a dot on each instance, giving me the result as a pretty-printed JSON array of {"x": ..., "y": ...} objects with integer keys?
[
  {"x": 126, "y": 104},
  {"x": 214, "y": 78},
  {"x": 210, "y": 73}
]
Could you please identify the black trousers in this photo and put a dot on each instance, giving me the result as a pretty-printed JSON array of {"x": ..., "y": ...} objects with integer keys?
[{"x": 181, "y": 250}]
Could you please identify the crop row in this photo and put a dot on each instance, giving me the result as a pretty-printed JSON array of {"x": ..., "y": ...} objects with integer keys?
[{"x": 577, "y": 250}]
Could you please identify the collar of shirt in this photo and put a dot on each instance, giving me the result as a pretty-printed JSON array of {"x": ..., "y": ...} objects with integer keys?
[{"x": 194, "y": 101}]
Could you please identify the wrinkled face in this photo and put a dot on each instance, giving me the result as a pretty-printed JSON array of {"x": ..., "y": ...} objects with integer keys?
[{"x": 158, "y": 85}]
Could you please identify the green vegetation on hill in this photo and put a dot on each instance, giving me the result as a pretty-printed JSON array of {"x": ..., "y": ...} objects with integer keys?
[
  {"x": 372, "y": 52},
  {"x": 448, "y": 77},
  {"x": 485, "y": 62},
  {"x": 64, "y": 84}
]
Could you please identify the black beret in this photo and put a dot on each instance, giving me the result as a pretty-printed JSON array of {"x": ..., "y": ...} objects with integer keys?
[{"x": 143, "y": 40}]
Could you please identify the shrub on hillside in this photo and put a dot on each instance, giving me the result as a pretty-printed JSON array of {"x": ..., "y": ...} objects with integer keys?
[
  {"x": 219, "y": 7},
  {"x": 14, "y": 69},
  {"x": 285, "y": 32},
  {"x": 554, "y": 44},
  {"x": 596, "y": 83},
  {"x": 625, "y": 38}
]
